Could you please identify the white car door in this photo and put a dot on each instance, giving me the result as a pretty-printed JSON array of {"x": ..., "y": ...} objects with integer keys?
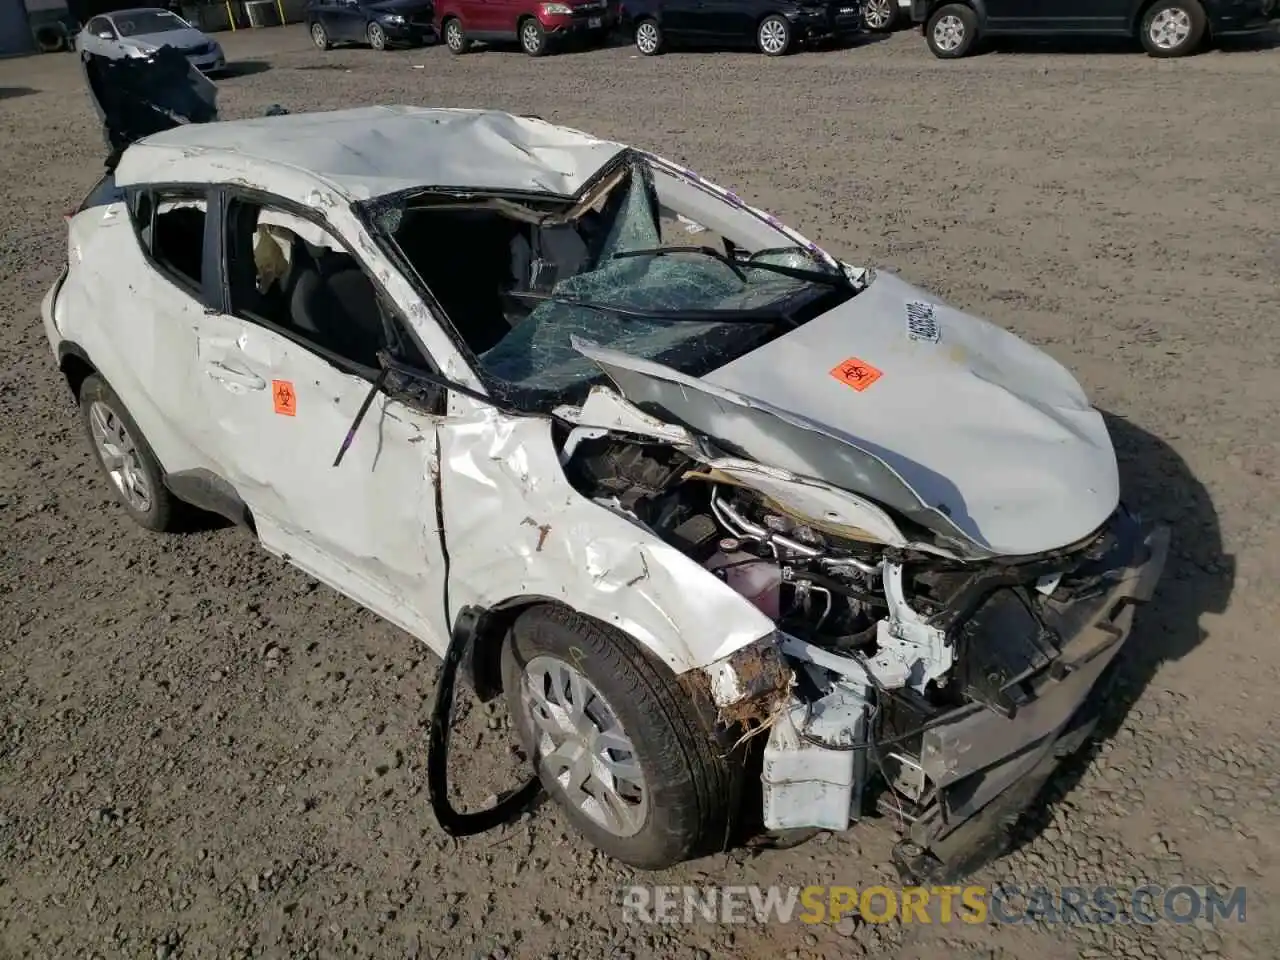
[{"x": 282, "y": 398}]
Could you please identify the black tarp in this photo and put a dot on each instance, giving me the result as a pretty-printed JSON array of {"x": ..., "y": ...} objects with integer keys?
[{"x": 138, "y": 96}]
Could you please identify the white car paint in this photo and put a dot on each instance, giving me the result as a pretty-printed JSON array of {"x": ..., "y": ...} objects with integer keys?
[{"x": 199, "y": 385}]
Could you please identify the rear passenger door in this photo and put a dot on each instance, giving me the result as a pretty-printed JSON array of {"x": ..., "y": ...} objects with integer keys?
[{"x": 285, "y": 367}]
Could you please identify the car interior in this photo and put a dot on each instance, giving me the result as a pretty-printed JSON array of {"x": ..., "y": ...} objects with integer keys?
[{"x": 286, "y": 272}]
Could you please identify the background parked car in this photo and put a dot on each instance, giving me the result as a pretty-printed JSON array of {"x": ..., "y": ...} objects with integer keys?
[
  {"x": 774, "y": 27},
  {"x": 379, "y": 23},
  {"x": 142, "y": 31},
  {"x": 1166, "y": 28},
  {"x": 536, "y": 26}
]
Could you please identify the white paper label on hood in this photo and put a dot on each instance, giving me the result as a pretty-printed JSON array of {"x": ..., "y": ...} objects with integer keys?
[{"x": 922, "y": 324}]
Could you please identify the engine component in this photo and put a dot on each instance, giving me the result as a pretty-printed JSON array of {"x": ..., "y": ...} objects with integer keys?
[
  {"x": 806, "y": 784},
  {"x": 760, "y": 581},
  {"x": 910, "y": 651}
]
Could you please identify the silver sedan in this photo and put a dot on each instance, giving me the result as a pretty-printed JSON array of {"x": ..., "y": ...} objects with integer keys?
[{"x": 142, "y": 31}]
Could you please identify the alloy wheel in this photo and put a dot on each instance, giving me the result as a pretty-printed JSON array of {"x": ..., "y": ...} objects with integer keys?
[
  {"x": 773, "y": 36},
  {"x": 453, "y": 35},
  {"x": 878, "y": 14},
  {"x": 948, "y": 33},
  {"x": 120, "y": 456},
  {"x": 647, "y": 37},
  {"x": 531, "y": 37},
  {"x": 1170, "y": 28}
]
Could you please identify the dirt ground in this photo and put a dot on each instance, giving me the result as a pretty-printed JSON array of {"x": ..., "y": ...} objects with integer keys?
[{"x": 204, "y": 753}]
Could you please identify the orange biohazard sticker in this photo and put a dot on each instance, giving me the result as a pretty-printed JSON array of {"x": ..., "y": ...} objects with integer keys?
[
  {"x": 285, "y": 399},
  {"x": 856, "y": 373}
]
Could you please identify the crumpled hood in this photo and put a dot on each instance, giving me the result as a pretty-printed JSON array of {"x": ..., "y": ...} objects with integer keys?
[{"x": 941, "y": 415}]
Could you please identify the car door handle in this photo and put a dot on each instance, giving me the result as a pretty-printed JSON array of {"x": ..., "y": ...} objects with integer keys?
[{"x": 229, "y": 375}]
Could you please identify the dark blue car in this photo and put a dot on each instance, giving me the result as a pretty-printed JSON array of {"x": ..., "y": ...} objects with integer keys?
[{"x": 379, "y": 23}]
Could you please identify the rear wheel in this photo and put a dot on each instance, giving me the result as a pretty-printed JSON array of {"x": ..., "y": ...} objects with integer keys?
[
  {"x": 880, "y": 16},
  {"x": 454, "y": 38},
  {"x": 625, "y": 750},
  {"x": 377, "y": 36},
  {"x": 649, "y": 37},
  {"x": 320, "y": 37},
  {"x": 533, "y": 39},
  {"x": 1172, "y": 28},
  {"x": 952, "y": 31},
  {"x": 773, "y": 36},
  {"x": 126, "y": 458}
]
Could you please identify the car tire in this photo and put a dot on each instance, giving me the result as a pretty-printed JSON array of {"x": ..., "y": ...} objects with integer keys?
[
  {"x": 952, "y": 31},
  {"x": 673, "y": 799},
  {"x": 126, "y": 459},
  {"x": 1172, "y": 28},
  {"x": 533, "y": 39},
  {"x": 320, "y": 37},
  {"x": 880, "y": 16},
  {"x": 376, "y": 36},
  {"x": 773, "y": 35},
  {"x": 648, "y": 37},
  {"x": 455, "y": 38}
]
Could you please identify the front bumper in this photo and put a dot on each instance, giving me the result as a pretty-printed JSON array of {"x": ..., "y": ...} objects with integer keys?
[
  {"x": 210, "y": 62},
  {"x": 987, "y": 768},
  {"x": 817, "y": 23},
  {"x": 588, "y": 24},
  {"x": 1244, "y": 17},
  {"x": 410, "y": 32},
  {"x": 48, "y": 312}
]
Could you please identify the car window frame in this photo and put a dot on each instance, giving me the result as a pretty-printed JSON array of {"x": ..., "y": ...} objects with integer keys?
[
  {"x": 227, "y": 194},
  {"x": 203, "y": 292}
]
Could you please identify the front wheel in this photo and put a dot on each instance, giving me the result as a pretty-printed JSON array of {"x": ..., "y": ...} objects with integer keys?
[
  {"x": 377, "y": 36},
  {"x": 952, "y": 31},
  {"x": 533, "y": 39},
  {"x": 880, "y": 16},
  {"x": 773, "y": 36},
  {"x": 320, "y": 37},
  {"x": 649, "y": 38},
  {"x": 1172, "y": 28},
  {"x": 625, "y": 750}
]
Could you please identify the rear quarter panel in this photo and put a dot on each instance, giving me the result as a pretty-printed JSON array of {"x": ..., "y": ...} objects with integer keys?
[{"x": 120, "y": 314}]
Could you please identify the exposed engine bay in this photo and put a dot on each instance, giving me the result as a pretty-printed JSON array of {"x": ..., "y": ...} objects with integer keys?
[{"x": 885, "y": 642}]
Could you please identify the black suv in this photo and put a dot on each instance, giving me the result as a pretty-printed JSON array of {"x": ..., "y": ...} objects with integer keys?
[
  {"x": 1166, "y": 28},
  {"x": 774, "y": 27}
]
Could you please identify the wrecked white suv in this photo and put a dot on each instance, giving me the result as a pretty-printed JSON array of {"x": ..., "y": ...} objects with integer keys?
[{"x": 733, "y": 525}]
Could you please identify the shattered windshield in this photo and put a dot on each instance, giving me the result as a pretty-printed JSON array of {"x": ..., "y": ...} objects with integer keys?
[
  {"x": 648, "y": 263},
  {"x": 140, "y": 23}
]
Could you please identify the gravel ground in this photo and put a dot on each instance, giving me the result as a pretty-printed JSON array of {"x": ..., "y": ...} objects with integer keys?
[{"x": 205, "y": 753}]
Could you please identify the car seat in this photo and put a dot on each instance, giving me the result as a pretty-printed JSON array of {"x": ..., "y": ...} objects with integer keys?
[{"x": 333, "y": 302}]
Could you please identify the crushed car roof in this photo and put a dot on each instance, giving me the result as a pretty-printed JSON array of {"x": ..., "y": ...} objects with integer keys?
[{"x": 374, "y": 151}]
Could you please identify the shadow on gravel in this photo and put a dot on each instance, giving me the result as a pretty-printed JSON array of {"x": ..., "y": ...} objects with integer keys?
[
  {"x": 9, "y": 93},
  {"x": 245, "y": 68},
  {"x": 1120, "y": 45},
  {"x": 819, "y": 47},
  {"x": 1198, "y": 579}
]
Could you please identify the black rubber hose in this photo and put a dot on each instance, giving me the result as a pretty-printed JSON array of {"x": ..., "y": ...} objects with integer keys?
[{"x": 454, "y": 822}]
